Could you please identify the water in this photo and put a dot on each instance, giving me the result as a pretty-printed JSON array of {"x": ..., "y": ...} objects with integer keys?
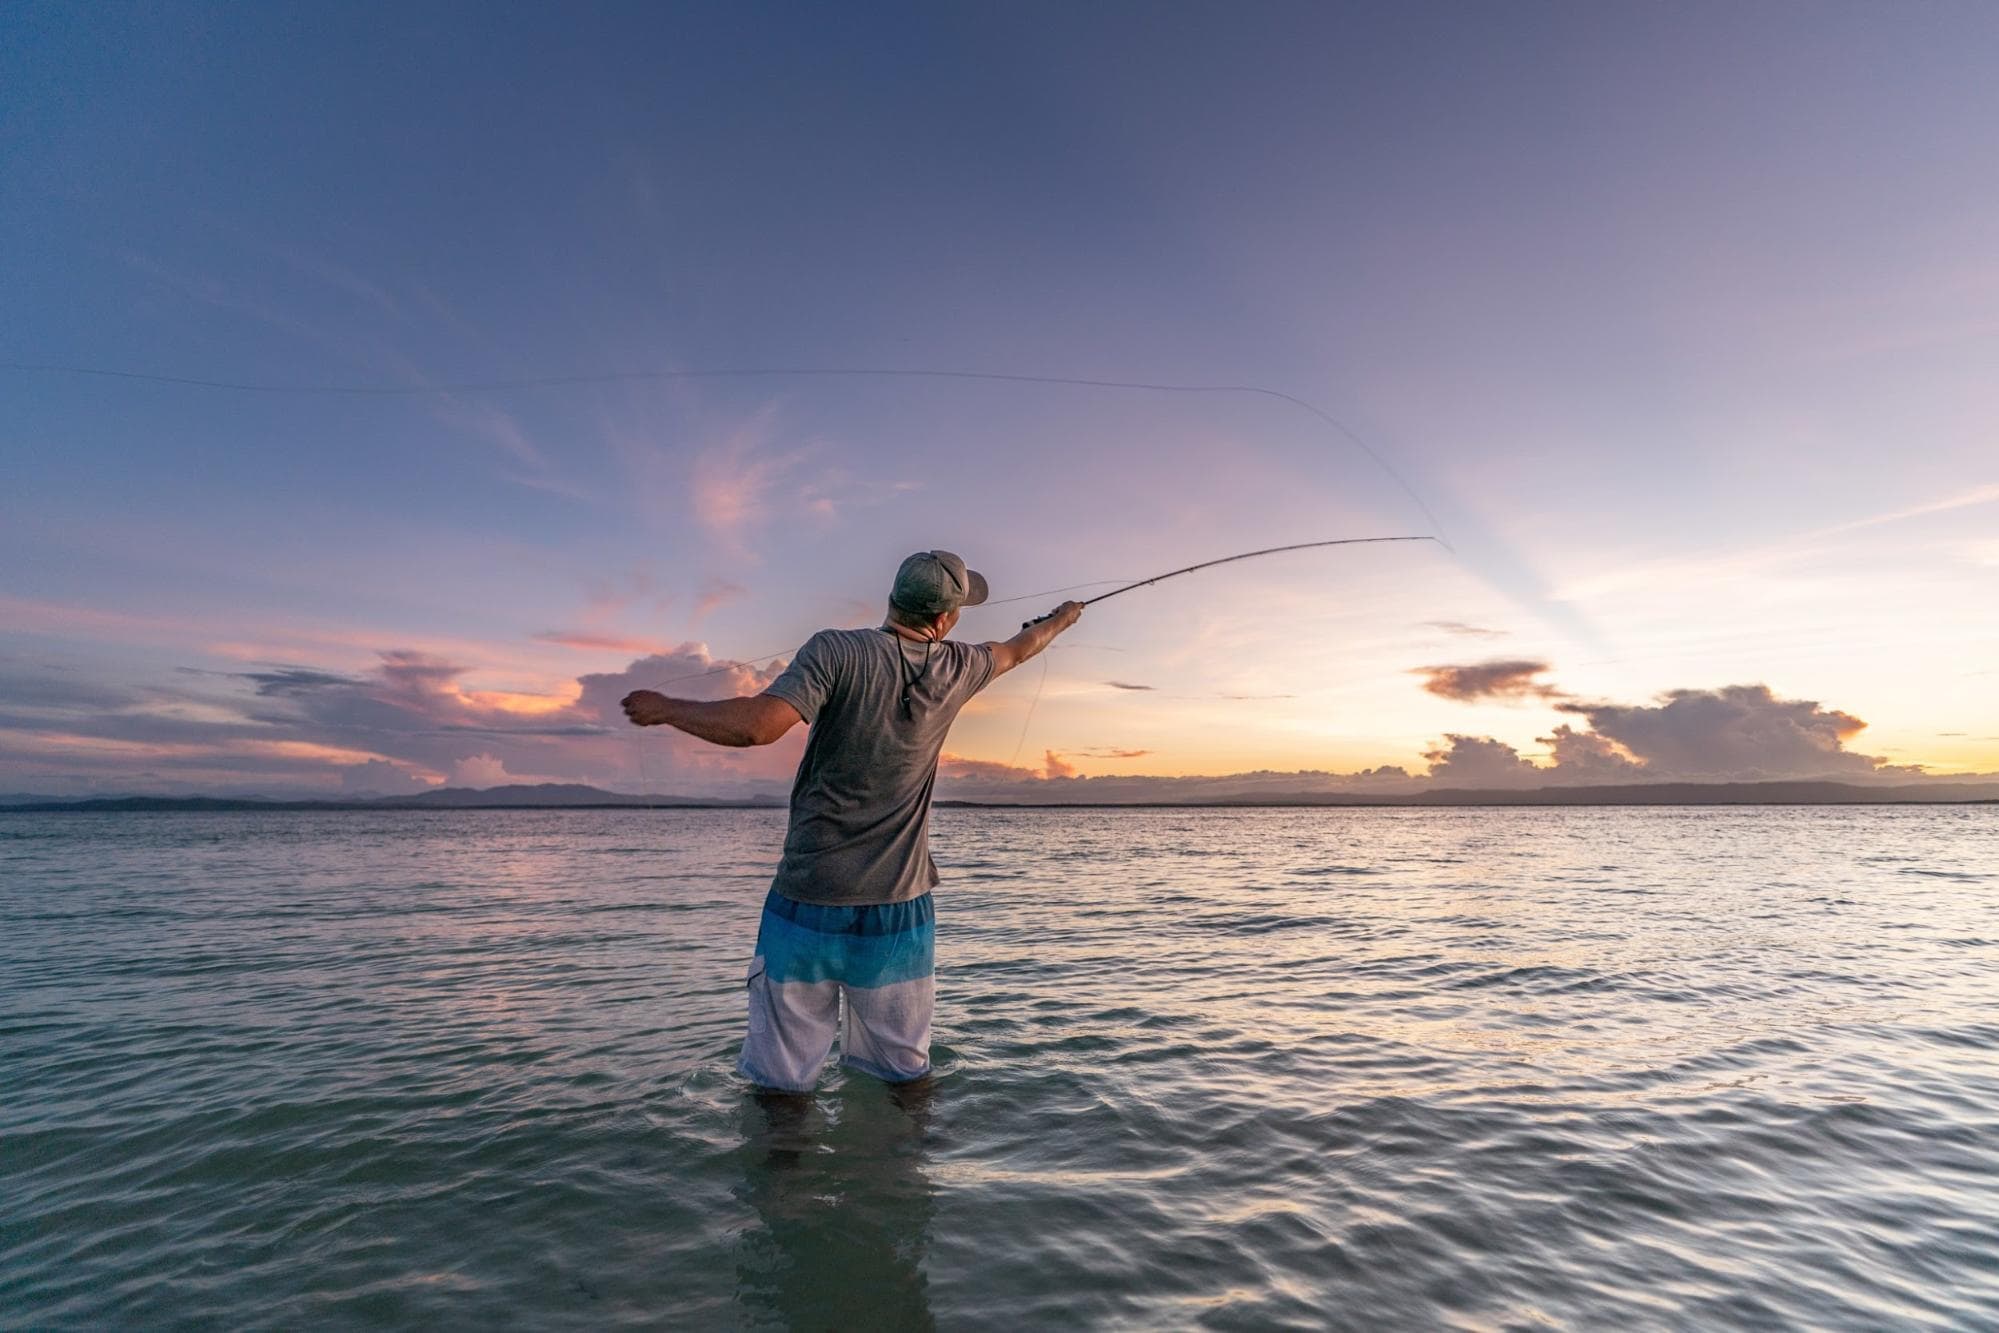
[{"x": 1476, "y": 1068}]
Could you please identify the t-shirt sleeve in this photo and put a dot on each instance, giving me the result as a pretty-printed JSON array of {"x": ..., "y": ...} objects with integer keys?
[
  {"x": 809, "y": 680},
  {"x": 978, "y": 670}
]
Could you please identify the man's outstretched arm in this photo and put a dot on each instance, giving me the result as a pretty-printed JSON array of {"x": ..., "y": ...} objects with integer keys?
[
  {"x": 1012, "y": 652},
  {"x": 751, "y": 719}
]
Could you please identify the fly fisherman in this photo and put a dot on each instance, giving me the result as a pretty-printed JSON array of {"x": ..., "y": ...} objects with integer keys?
[{"x": 849, "y": 912}]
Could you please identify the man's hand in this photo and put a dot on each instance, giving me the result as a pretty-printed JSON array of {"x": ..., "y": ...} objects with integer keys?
[
  {"x": 645, "y": 708},
  {"x": 1034, "y": 637}
]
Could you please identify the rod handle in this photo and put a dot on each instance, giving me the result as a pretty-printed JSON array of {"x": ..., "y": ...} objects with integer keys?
[{"x": 1030, "y": 624}]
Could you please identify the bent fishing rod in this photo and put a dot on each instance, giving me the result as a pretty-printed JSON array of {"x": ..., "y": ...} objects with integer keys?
[
  {"x": 1231, "y": 559},
  {"x": 1129, "y": 587}
]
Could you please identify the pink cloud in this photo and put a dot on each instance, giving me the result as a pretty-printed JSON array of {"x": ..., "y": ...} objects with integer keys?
[
  {"x": 733, "y": 482},
  {"x": 715, "y": 594},
  {"x": 1511, "y": 680},
  {"x": 610, "y": 643}
]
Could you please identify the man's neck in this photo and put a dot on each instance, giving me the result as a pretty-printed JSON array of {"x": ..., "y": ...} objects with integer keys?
[{"x": 910, "y": 633}]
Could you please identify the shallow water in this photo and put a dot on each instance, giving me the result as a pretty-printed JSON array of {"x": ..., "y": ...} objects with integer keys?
[{"x": 1479, "y": 1068}]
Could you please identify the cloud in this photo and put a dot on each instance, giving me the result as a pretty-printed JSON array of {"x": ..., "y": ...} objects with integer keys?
[
  {"x": 1740, "y": 732},
  {"x": 687, "y": 672},
  {"x": 488, "y": 770},
  {"x": 1460, "y": 628},
  {"x": 419, "y": 716},
  {"x": 956, "y": 769},
  {"x": 284, "y": 681},
  {"x": 1965, "y": 499},
  {"x": 1479, "y": 761},
  {"x": 379, "y": 777},
  {"x": 610, "y": 643},
  {"x": 715, "y": 594},
  {"x": 1513, "y": 679},
  {"x": 733, "y": 481},
  {"x": 1127, "y": 685},
  {"x": 1581, "y": 756},
  {"x": 412, "y": 720}
]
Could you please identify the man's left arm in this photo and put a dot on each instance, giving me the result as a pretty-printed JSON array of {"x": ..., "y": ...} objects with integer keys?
[{"x": 751, "y": 719}]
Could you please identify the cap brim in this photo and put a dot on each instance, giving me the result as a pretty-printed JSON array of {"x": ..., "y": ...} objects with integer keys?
[{"x": 979, "y": 590}]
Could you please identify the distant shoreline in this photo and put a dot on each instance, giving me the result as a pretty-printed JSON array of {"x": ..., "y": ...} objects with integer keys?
[{"x": 569, "y": 797}]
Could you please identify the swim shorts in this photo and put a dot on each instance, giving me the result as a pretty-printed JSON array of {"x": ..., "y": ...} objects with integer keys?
[{"x": 811, "y": 958}]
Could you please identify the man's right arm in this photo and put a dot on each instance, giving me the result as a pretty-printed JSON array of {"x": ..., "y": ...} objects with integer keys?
[
  {"x": 1031, "y": 640},
  {"x": 751, "y": 719}
]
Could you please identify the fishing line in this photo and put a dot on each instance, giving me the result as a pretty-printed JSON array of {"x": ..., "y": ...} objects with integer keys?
[
  {"x": 801, "y": 372},
  {"x": 1030, "y": 710},
  {"x": 797, "y": 372},
  {"x": 1046, "y": 592},
  {"x": 639, "y": 748}
]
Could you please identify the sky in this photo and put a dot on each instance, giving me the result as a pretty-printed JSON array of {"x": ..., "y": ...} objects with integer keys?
[{"x": 1674, "y": 323}]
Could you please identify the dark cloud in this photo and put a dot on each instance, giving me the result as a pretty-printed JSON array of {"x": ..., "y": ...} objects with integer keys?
[
  {"x": 287, "y": 682},
  {"x": 1126, "y": 685},
  {"x": 1741, "y": 732},
  {"x": 61, "y": 691},
  {"x": 1512, "y": 679}
]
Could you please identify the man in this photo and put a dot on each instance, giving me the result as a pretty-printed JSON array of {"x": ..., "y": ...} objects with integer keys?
[{"x": 849, "y": 913}]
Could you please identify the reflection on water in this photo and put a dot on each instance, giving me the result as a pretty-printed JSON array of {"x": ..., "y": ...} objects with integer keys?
[
  {"x": 843, "y": 1207},
  {"x": 1351, "y": 1068}
]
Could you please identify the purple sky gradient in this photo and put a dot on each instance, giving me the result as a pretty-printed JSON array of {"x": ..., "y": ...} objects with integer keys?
[{"x": 1680, "y": 319}]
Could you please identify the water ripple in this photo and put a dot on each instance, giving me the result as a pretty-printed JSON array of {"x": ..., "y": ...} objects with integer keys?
[{"x": 1505, "y": 1068}]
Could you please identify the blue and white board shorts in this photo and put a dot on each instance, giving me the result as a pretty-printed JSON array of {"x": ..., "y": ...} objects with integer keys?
[{"x": 810, "y": 956}]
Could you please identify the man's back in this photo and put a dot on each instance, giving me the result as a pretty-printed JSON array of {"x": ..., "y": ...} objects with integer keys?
[
  {"x": 848, "y": 931},
  {"x": 879, "y": 707}
]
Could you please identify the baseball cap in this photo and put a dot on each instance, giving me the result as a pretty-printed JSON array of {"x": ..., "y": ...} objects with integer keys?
[{"x": 930, "y": 583}]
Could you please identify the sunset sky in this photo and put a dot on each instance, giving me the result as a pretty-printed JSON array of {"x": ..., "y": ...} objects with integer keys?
[{"x": 1677, "y": 322}]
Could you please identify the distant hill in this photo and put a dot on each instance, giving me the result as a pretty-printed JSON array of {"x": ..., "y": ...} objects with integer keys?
[
  {"x": 559, "y": 796},
  {"x": 551, "y": 794},
  {"x": 539, "y": 796}
]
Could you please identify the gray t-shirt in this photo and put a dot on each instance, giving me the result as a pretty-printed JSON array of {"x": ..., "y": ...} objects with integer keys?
[{"x": 860, "y": 807}]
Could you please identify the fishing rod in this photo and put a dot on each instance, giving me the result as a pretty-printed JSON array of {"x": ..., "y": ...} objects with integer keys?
[
  {"x": 1142, "y": 583},
  {"x": 1231, "y": 559}
]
